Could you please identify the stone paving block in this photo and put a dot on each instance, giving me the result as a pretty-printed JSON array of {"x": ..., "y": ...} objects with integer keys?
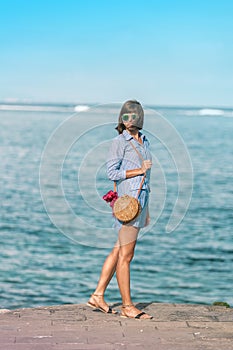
[
  {"x": 212, "y": 325},
  {"x": 108, "y": 335},
  {"x": 179, "y": 312},
  {"x": 70, "y": 328},
  {"x": 70, "y": 337},
  {"x": 9, "y": 316},
  {"x": 163, "y": 347},
  {"x": 34, "y": 340},
  {"x": 30, "y": 322},
  {"x": 165, "y": 325},
  {"x": 79, "y": 333},
  {"x": 227, "y": 317},
  {"x": 189, "y": 313},
  {"x": 142, "y": 342},
  {"x": 9, "y": 328},
  {"x": 105, "y": 320},
  {"x": 135, "y": 346},
  {"x": 203, "y": 325},
  {"x": 6, "y": 339},
  {"x": 212, "y": 331},
  {"x": 43, "y": 333},
  {"x": 27, "y": 347},
  {"x": 26, "y": 314},
  {"x": 62, "y": 339},
  {"x": 176, "y": 335},
  {"x": 97, "y": 346},
  {"x": 35, "y": 328},
  {"x": 210, "y": 334},
  {"x": 213, "y": 345},
  {"x": 67, "y": 321},
  {"x": 139, "y": 332},
  {"x": 185, "y": 346},
  {"x": 140, "y": 336}
]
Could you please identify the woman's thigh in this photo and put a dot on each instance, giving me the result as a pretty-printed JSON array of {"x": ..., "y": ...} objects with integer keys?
[{"x": 127, "y": 235}]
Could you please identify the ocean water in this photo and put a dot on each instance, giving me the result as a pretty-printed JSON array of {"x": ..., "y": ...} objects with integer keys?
[{"x": 56, "y": 231}]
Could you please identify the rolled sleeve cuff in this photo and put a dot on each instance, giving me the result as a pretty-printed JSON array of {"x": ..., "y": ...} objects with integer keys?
[
  {"x": 123, "y": 174},
  {"x": 116, "y": 175}
]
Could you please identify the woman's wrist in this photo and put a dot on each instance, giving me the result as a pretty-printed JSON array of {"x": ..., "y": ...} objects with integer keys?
[{"x": 143, "y": 171}]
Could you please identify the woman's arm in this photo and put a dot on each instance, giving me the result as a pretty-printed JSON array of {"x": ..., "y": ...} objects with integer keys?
[
  {"x": 146, "y": 164},
  {"x": 133, "y": 173},
  {"x": 115, "y": 157}
]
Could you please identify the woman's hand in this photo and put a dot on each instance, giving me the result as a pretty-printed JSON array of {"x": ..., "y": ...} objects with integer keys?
[{"x": 146, "y": 165}]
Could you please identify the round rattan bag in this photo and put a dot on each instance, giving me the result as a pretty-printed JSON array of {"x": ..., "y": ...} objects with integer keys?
[{"x": 126, "y": 208}]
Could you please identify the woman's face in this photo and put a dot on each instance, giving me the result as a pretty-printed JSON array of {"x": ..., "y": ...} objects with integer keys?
[{"x": 130, "y": 121}]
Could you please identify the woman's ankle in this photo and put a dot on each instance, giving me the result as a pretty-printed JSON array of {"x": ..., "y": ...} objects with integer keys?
[
  {"x": 98, "y": 293},
  {"x": 127, "y": 304}
]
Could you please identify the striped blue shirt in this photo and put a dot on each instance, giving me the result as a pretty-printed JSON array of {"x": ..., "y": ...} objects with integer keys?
[{"x": 122, "y": 156}]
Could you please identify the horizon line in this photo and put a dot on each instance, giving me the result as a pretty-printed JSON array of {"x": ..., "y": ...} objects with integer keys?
[{"x": 27, "y": 102}]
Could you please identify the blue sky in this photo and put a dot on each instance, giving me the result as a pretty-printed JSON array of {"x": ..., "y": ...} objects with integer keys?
[{"x": 160, "y": 52}]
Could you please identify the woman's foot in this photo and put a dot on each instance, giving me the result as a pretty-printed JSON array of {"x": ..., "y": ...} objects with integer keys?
[
  {"x": 130, "y": 311},
  {"x": 97, "y": 301}
]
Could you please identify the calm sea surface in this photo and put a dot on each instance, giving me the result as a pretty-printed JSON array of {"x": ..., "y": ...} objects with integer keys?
[{"x": 40, "y": 265}]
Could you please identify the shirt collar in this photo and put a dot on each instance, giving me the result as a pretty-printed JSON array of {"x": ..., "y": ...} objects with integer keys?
[{"x": 129, "y": 137}]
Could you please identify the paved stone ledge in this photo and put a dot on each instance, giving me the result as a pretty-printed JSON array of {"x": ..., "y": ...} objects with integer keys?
[{"x": 73, "y": 327}]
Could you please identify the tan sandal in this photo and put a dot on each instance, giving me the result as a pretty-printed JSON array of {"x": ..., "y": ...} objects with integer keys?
[
  {"x": 138, "y": 316},
  {"x": 97, "y": 306}
]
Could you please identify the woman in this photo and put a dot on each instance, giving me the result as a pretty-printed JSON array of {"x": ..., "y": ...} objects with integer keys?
[{"x": 129, "y": 160}]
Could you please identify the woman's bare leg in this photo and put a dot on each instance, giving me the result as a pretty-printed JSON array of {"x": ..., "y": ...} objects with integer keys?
[
  {"x": 109, "y": 266},
  {"x": 108, "y": 270},
  {"x": 127, "y": 240}
]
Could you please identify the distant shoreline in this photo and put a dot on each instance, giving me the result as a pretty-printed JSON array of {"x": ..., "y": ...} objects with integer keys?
[{"x": 83, "y": 107}]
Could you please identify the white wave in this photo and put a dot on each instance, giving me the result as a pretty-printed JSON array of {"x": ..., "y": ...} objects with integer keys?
[
  {"x": 34, "y": 108},
  {"x": 191, "y": 112},
  {"x": 206, "y": 111},
  {"x": 211, "y": 112},
  {"x": 81, "y": 108}
]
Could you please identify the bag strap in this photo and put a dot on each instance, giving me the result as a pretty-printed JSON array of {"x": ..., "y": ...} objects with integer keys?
[
  {"x": 135, "y": 148},
  {"x": 143, "y": 179}
]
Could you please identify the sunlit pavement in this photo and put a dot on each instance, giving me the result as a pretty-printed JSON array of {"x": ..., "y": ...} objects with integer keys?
[{"x": 70, "y": 327}]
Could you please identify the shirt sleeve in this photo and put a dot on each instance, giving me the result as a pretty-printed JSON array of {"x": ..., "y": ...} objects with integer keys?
[{"x": 114, "y": 161}]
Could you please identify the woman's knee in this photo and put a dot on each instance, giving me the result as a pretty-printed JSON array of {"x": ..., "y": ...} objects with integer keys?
[
  {"x": 126, "y": 256},
  {"x": 115, "y": 251}
]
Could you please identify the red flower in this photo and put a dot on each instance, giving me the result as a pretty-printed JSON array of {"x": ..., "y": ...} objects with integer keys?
[{"x": 110, "y": 197}]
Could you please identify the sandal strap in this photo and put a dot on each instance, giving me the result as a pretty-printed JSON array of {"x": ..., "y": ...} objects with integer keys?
[
  {"x": 139, "y": 315},
  {"x": 109, "y": 310},
  {"x": 98, "y": 295}
]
